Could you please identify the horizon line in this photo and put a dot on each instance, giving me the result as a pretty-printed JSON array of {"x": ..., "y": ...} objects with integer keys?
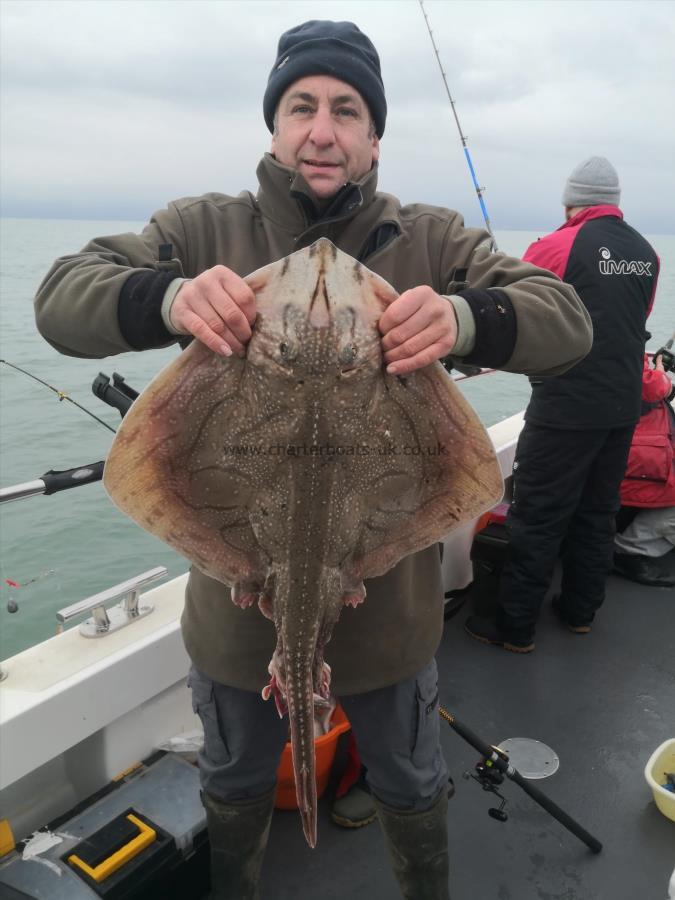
[{"x": 64, "y": 218}]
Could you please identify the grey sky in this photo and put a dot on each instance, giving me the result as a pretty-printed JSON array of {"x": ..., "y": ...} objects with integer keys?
[{"x": 111, "y": 108}]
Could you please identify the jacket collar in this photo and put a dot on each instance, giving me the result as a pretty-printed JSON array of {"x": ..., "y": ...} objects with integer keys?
[
  {"x": 285, "y": 197},
  {"x": 592, "y": 212}
]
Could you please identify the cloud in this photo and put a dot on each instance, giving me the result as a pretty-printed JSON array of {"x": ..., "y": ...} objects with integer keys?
[{"x": 113, "y": 108}]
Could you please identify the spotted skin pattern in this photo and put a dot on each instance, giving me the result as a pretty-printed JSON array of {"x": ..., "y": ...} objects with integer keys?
[{"x": 299, "y": 471}]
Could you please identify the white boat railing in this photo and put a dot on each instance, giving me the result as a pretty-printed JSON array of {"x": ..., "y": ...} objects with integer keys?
[{"x": 75, "y": 712}]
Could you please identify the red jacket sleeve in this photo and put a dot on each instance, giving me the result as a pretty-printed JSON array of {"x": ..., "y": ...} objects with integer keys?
[{"x": 655, "y": 385}]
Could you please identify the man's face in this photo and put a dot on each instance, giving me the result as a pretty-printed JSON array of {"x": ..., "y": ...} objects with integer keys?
[{"x": 324, "y": 131}]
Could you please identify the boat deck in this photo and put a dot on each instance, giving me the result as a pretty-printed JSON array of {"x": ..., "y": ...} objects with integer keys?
[{"x": 602, "y": 701}]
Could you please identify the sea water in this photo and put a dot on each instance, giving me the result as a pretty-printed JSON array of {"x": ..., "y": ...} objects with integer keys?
[{"x": 65, "y": 547}]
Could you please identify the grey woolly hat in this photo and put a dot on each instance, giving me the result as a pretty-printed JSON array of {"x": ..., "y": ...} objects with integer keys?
[
  {"x": 592, "y": 183},
  {"x": 338, "y": 49}
]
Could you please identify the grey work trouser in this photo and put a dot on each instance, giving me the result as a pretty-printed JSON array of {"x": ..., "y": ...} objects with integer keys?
[
  {"x": 651, "y": 533},
  {"x": 397, "y": 731}
]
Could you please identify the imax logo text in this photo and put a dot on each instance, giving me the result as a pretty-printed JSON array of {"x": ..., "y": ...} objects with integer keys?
[{"x": 609, "y": 266}]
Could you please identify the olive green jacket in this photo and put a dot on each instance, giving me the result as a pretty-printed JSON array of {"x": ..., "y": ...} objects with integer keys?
[{"x": 107, "y": 299}]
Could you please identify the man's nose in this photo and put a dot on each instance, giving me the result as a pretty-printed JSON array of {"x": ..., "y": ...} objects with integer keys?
[{"x": 322, "y": 133}]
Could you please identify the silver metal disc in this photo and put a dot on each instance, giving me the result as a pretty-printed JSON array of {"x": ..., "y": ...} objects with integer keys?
[{"x": 531, "y": 758}]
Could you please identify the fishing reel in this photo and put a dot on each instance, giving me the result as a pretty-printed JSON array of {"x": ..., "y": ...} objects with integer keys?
[
  {"x": 490, "y": 779},
  {"x": 498, "y": 762},
  {"x": 666, "y": 353},
  {"x": 667, "y": 357}
]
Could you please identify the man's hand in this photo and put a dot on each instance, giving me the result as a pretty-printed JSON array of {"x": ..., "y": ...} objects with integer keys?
[
  {"x": 218, "y": 308},
  {"x": 417, "y": 328}
]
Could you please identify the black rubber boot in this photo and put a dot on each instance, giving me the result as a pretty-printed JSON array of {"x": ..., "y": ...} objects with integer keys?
[
  {"x": 418, "y": 846},
  {"x": 355, "y": 809},
  {"x": 653, "y": 571},
  {"x": 238, "y": 835}
]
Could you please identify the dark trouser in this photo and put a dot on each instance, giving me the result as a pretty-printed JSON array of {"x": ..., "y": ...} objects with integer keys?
[{"x": 566, "y": 496}]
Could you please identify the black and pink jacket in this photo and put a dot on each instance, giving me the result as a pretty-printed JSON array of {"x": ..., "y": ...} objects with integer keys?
[{"x": 614, "y": 270}]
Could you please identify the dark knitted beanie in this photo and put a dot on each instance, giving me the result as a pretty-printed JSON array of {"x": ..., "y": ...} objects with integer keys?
[{"x": 338, "y": 49}]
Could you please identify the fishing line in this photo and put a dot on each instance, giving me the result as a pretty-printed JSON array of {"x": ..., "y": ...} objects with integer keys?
[
  {"x": 479, "y": 190},
  {"x": 12, "y": 605},
  {"x": 60, "y": 394},
  {"x": 11, "y": 582}
]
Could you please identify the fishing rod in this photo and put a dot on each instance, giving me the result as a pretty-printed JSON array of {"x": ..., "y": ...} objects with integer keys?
[
  {"x": 490, "y": 774},
  {"x": 118, "y": 395},
  {"x": 479, "y": 190},
  {"x": 60, "y": 394},
  {"x": 53, "y": 481},
  {"x": 468, "y": 371}
]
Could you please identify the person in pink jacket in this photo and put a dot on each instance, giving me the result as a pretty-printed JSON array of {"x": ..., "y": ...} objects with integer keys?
[{"x": 645, "y": 548}]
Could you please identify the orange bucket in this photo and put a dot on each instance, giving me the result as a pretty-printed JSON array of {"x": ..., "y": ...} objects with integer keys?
[{"x": 325, "y": 747}]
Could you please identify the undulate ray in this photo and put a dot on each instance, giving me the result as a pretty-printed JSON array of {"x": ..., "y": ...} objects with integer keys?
[{"x": 294, "y": 474}]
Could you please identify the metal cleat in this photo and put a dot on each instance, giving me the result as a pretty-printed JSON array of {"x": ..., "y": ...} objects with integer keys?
[{"x": 107, "y": 620}]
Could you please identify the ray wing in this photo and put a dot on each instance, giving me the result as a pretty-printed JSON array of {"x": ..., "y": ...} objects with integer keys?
[
  {"x": 190, "y": 459},
  {"x": 435, "y": 468}
]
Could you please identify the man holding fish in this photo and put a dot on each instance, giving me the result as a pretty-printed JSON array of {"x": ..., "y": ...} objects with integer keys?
[{"x": 183, "y": 277}]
